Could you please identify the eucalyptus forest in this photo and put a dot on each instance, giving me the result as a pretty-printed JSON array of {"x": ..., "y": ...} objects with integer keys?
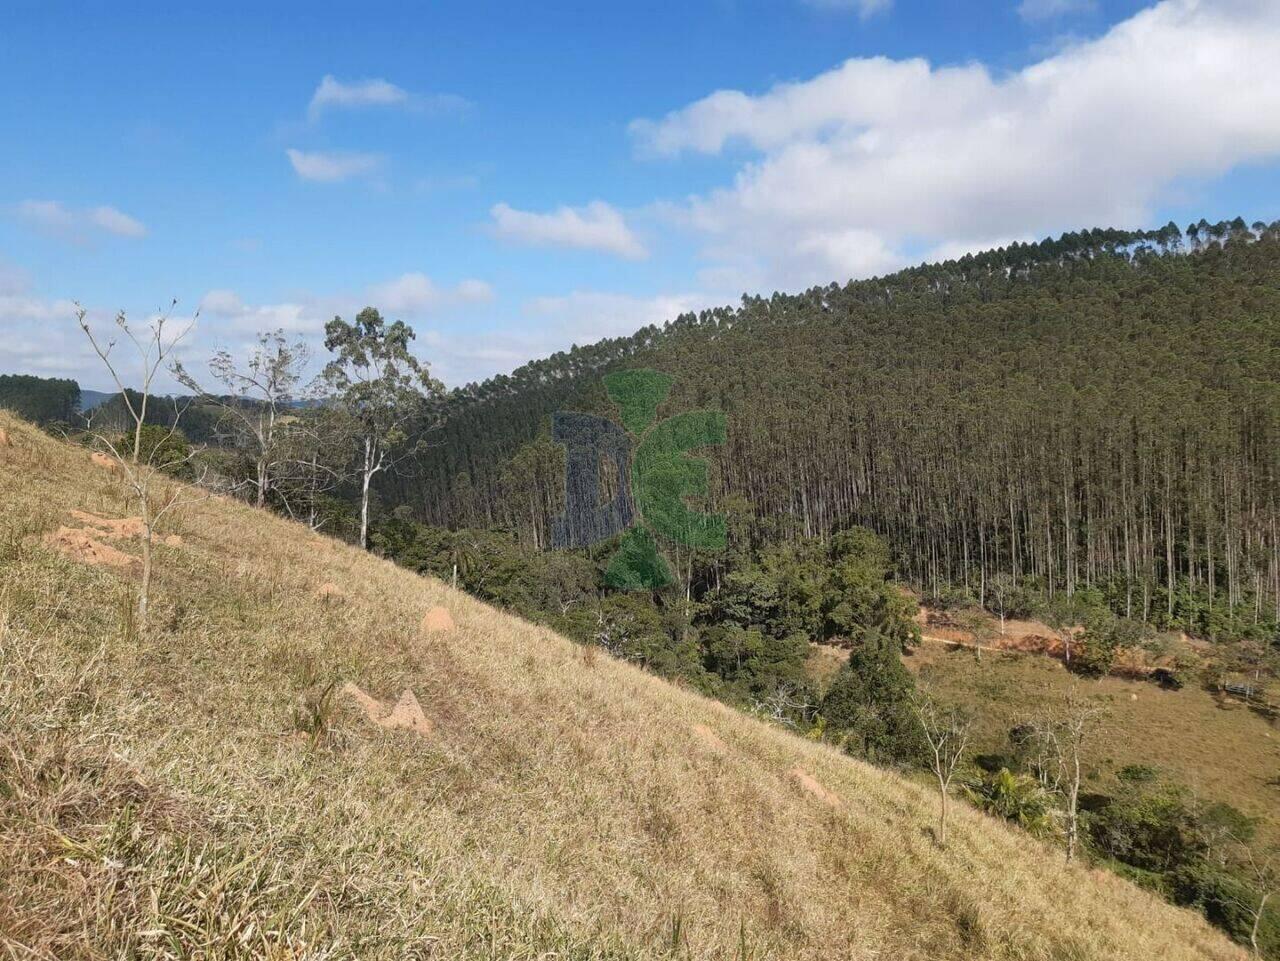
[{"x": 1099, "y": 412}]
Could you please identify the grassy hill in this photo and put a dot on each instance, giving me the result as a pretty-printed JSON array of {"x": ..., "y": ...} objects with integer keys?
[
  {"x": 1216, "y": 746},
  {"x": 208, "y": 789}
]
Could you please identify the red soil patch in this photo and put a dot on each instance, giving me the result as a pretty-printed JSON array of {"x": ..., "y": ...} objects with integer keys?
[
  {"x": 806, "y": 781},
  {"x": 1028, "y": 637},
  {"x": 1048, "y": 644},
  {"x": 125, "y": 528},
  {"x": 436, "y": 620},
  {"x": 405, "y": 715},
  {"x": 81, "y": 545},
  {"x": 173, "y": 540},
  {"x": 709, "y": 737}
]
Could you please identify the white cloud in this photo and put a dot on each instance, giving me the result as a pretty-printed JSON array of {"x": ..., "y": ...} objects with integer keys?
[
  {"x": 864, "y": 8},
  {"x": 355, "y": 94},
  {"x": 115, "y": 222},
  {"x": 415, "y": 293},
  {"x": 39, "y": 335},
  {"x": 597, "y": 226},
  {"x": 474, "y": 292},
  {"x": 227, "y": 321},
  {"x": 221, "y": 303},
  {"x": 1049, "y": 9},
  {"x": 412, "y": 296},
  {"x": 47, "y": 214},
  {"x": 13, "y": 280},
  {"x": 330, "y": 167},
  {"x": 849, "y": 169},
  {"x": 56, "y": 219}
]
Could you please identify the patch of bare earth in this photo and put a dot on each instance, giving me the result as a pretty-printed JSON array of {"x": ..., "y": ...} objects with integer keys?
[
  {"x": 330, "y": 593},
  {"x": 709, "y": 737},
  {"x": 810, "y": 784},
  {"x": 437, "y": 620},
  {"x": 405, "y": 714},
  {"x": 81, "y": 545},
  {"x": 122, "y": 529}
]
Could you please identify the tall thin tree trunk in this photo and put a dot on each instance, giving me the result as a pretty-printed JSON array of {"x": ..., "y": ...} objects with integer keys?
[
  {"x": 1257, "y": 922},
  {"x": 364, "y": 493},
  {"x": 942, "y": 812},
  {"x": 364, "y": 513},
  {"x": 144, "y": 592}
]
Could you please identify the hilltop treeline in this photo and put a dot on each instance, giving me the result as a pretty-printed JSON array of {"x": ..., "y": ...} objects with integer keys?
[
  {"x": 41, "y": 400},
  {"x": 1099, "y": 411}
]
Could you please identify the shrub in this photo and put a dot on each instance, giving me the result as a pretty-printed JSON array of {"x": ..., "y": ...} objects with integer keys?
[{"x": 1019, "y": 798}]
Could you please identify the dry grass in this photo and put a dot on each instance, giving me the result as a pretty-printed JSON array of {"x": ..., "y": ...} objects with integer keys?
[
  {"x": 1218, "y": 747},
  {"x": 196, "y": 793}
]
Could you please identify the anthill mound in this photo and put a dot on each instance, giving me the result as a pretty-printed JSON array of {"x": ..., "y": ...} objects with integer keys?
[
  {"x": 80, "y": 545},
  {"x": 406, "y": 714},
  {"x": 437, "y": 620}
]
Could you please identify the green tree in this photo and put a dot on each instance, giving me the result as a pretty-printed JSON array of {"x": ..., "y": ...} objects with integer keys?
[
  {"x": 383, "y": 387},
  {"x": 869, "y": 701}
]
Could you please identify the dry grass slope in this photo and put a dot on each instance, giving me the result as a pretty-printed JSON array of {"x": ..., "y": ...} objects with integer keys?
[{"x": 206, "y": 791}]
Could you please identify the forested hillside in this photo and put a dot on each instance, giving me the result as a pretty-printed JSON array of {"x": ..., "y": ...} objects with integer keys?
[
  {"x": 1100, "y": 411},
  {"x": 41, "y": 400}
]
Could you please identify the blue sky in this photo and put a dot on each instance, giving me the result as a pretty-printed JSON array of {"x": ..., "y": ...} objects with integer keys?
[{"x": 511, "y": 179}]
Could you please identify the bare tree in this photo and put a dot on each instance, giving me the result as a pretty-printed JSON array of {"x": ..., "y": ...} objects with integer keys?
[
  {"x": 1059, "y": 739},
  {"x": 782, "y": 704},
  {"x": 257, "y": 399},
  {"x": 947, "y": 732},
  {"x": 314, "y": 459},
  {"x": 143, "y": 471},
  {"x": 1001, "y": 588},
  {"x": 1263, "y": 872}
]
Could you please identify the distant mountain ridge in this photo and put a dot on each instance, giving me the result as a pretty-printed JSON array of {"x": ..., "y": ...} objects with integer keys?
[{"x": 89, "y": 399}]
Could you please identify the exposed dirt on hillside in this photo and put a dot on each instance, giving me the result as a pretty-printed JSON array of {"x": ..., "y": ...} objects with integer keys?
[
  {"x": 121, "y": 529},
  {"x": 811, "y": 785},
  {"x": 81, "y": 545},
  {"x": 406, "y": 714},
  {"x": 1029, "y": 636},
  {"x": 709, "y": 737},
  {"x": 436, "y": 620}
]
